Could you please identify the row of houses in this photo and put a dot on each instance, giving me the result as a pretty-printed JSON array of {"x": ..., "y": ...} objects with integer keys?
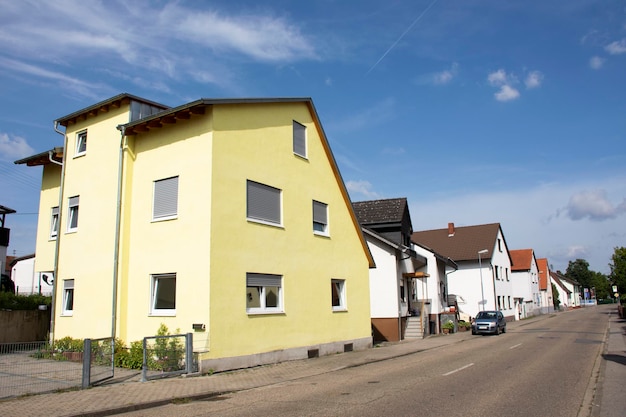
[{"x": 230, "y": 218}]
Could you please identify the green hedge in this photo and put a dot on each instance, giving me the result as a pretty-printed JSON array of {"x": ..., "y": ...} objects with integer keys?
[{"x": 9, "y": 301}]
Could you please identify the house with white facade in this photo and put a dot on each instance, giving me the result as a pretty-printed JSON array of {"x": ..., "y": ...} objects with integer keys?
[
  {"x": 525, "y": 279},
  {"x": 545, "y": 286},
  {"x": 483, "y": 278},
  {"x": 397, "y": 284},
  {"x": 569, "y": 290},
  {"x": 27, "y": 281},
  {"x": 433, "y": 292}
]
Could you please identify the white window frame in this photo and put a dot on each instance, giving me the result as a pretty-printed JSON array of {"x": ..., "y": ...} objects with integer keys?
[
  {"x": 264, "y": 204},
  {"x": 320, "y": 218},
  {"x": 72, "y": 218},
  {"x": 261, "y": 283},
  {"x": 156, "y": 284},
  {"x": 54, "y": 223},
  {"x": 299, "y": 140},
  {"x": 165, "y": 199},
  {"x": 338, "y": 286},
  {"x": 81, "y": 143},
  {"x": 68, "y": 297}
]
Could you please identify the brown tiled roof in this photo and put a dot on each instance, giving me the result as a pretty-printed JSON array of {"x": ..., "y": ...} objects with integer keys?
[
  {"x": 542, "y": 265},
  {"x": 521, "y": 258},
  {"x": 463, "y": 244},
  {"x": 380, "y": 211}
]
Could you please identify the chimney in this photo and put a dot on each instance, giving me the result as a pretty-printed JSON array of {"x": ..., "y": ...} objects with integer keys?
[{"x": 450, "y": 229}]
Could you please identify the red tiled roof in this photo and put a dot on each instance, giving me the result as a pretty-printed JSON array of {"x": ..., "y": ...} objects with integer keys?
[
  {"x": 522, "y": 259},
  {"x": 542, "y": 265},
  {"x": 463, "y": 244}
]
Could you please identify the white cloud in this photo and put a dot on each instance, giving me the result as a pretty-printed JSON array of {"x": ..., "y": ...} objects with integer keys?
[
  {"x": 445, "y": 76},
  {"x": 506, "y": 93},
  {"x": 617, "y": 47},
  {"x": 533, "y": 79},
  {"x": 13, "y": 147},
  {"x": 528, "y": 221},
  {"x": 594, "y": 205},
  {"x": 596, "y": 62},
  {"x": 362, "y": 188},
  {"x": 504, "y": 82},
  {"x": 497, "y": 78}
]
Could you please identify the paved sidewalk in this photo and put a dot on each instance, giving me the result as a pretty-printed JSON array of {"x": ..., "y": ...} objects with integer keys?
[
  {"x": 610, "y": 399},
  {"x": 129, "y": 396}
]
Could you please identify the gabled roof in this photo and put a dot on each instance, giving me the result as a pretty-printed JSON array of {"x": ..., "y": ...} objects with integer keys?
[
  {"x": 557, "y": 279},
  {"x": 43, "y": 158},
  {"x": 393, "y": 245},
  {"x": 18, "y": 259},
  {"x": 461, "y": 243},
  {"x": 105, "y": 106},
  {"x": 542, "y": 265},
  {"x": 521, "y": 259},
  {"x": 380, "y": 211}
]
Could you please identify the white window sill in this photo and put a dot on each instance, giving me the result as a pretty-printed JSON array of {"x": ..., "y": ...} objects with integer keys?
[
  {"x": 266, "y": 223},
  {"x": 162, "y": 219},
  {"x": 264, "y": 312},
  {"x": 339, "y": 309},
  {"x": 67, "y": 314},
  {"x": 71, "y": 231},
  {"x": 163, "y": 313},
  {"x": 322, "y": 234},
  {"x": 78, "y": 155}
]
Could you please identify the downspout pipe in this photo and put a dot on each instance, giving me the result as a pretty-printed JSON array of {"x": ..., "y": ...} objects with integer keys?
[
  {"x": 116, "y": 249},
  {"x": 57, "y": 243}
]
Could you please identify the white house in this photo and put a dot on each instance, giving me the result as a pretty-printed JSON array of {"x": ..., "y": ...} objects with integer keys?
[
  {"x": 26, "y": 280},
  {"x": 545, "y": 286},
  {"x": 396, "y": 283},
  {"x": 483, "y": 278},
  {"x": 433, "y": 291},
  {"x": 569, "y": 290},
  {"x": 525, "y": 279}
]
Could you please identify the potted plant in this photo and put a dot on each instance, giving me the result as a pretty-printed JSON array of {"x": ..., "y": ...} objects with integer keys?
[
  {"x": 448, "y": 327},
  {"x": 464, "y": 326}
]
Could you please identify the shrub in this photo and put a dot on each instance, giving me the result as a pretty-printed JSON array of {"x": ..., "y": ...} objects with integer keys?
[
  {"x": 448, "y": 325},
  {"x": 9, "y": 301}
]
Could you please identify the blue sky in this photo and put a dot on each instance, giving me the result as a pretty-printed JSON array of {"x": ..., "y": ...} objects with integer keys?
[{"x": 476, "y": 111}]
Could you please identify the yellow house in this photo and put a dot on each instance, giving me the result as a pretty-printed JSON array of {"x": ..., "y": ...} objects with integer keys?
[{"x": 227, "y": 218}]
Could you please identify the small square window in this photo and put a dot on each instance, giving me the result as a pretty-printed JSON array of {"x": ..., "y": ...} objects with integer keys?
[
  {"x": 165, "y": 199},
  {"x": 263, "y": 293},
  {"x": 263, "y": 203},
  {"x": 72, "y": 220},
  {"x": 338, "y": 293},
  {"x": 299, "y": 139},
  {"x": 81, "y": 143},
  {"x": 163, "y": 296},
  {"x": 320, "y": 218},
  {"x": 54, "y": 223},
  {"x": 68, "y": 297}
]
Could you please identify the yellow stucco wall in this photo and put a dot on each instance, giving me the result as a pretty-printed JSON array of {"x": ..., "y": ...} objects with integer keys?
[
  {"x": 210, "y": 245},
  {"x": 255, "y": 142},
  {"x": 48, "y": 198},
  {"x": 86, "y": 256},
  {"x": 180, "y": 245}
]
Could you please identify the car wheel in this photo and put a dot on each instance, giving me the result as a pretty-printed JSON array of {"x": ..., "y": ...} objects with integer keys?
[
  {"x": 497, "y": 331},
  {"x": 504, "y": 329},
  {"x": 473, "y": 332}
]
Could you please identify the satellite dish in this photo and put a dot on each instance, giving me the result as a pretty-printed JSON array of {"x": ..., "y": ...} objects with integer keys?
[{"x": 47, "y": 279}]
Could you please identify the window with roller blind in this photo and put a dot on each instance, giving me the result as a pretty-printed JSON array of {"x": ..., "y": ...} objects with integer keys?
[
  {"x": 165, "y": 199},
  {"x": 263, "y": 203}
]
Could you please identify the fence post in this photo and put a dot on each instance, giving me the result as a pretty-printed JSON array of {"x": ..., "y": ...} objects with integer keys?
[
  {"x": 144, "y": 366},
  {"x": 189, "y": 353},
  {"x": 86, "y": 363}
]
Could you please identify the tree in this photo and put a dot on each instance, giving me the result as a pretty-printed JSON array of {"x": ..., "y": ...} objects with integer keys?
[
  {"x": 618, "y": 269},
  {"x": 578, "y": 270},
  {"x": 601, "y": 284},
  {"x": 555, "y": 297}
]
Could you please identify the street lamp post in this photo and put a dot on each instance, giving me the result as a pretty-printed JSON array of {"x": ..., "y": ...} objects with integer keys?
[{"x": 480, "y": 269}]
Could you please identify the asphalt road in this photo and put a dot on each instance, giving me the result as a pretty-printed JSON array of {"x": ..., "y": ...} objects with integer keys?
[{"x": 541, "y": 368}]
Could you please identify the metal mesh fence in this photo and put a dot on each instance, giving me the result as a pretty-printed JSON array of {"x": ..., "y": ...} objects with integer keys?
[{"x": 32, "y": 368}]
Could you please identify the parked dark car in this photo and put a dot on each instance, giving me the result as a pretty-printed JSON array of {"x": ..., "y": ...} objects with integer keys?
[{"x": 489, "y": 322}]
